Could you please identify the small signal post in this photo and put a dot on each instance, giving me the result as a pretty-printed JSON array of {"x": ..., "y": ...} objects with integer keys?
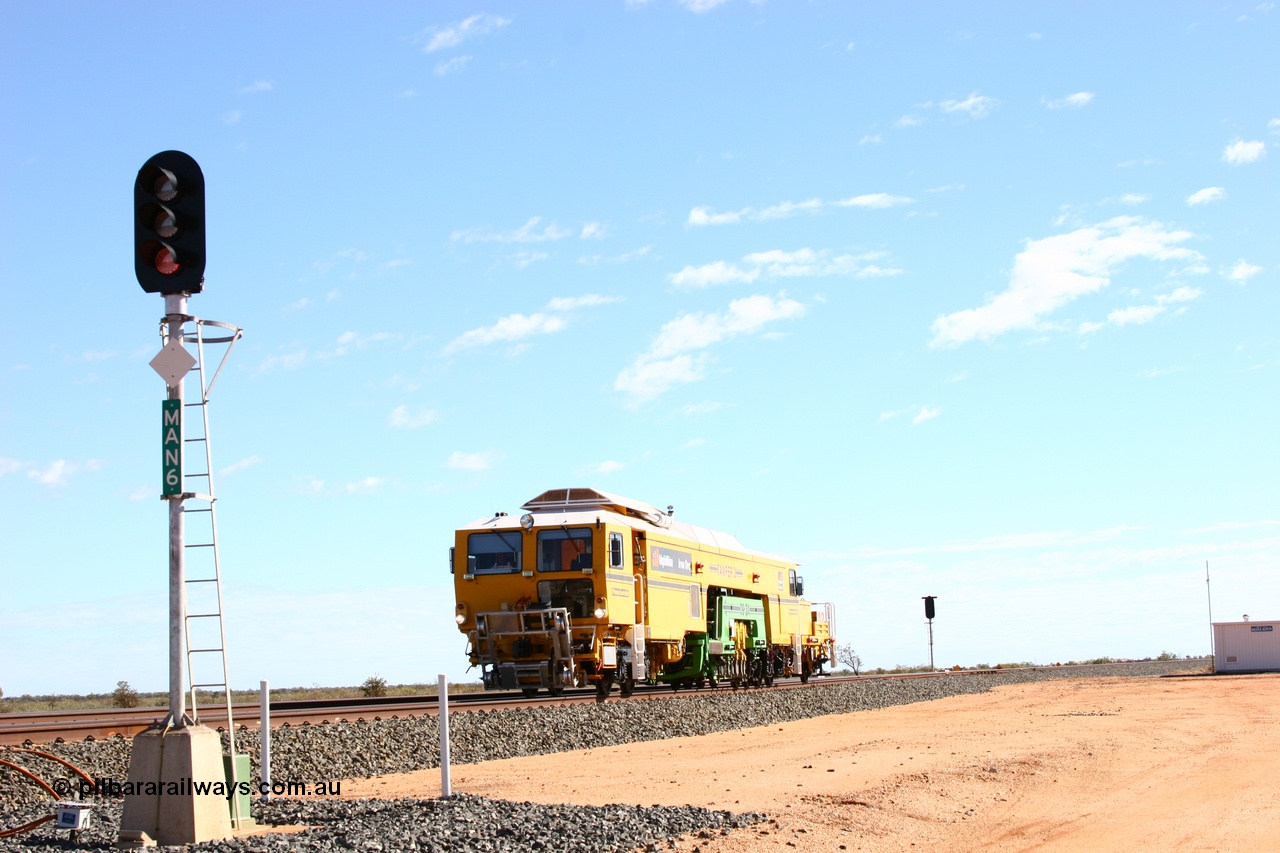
[{"x": 929, "y": 613}]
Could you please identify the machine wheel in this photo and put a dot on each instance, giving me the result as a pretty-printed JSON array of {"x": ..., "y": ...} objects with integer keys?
[
  {"x": 804, "y": 673},
  {"x": 529, "y": 692},
  {"x": 627, "y": 687},
  {"x": 558, "y": 690},
  {"x": 603, "y": 686}
]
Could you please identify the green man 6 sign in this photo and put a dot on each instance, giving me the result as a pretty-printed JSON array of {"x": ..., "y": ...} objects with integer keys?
[{"x": 172, "y": 445}]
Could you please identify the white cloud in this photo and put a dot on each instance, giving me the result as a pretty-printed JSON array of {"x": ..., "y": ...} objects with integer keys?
[
  {"x": 241, "y": 465},
  {"x": 1136, "y": 314},
  {"x": 1233, "y": 525},
  {"x": 452, "y": 35},
  {"x": 608, "y": 467},
  {"x": 1074, "y": 101},
  {"x": 1206, "y": 195},
  {"x": 700, "y": 330},
  {"x": 524, "y": 259},
  {"x": 784, "y": 210},
  {"x": 1274, "y": 125},
  {"x": 718, "y": 272},
  {"x": 365, "y": 486},
  {"x": 926, "y": 413},
  {"x": 668, "y": 362},
  {"x": 517, "y": 327},
  {"x": 1052, "y": 271},
  {"x": 701, "y": 6},
  {"x": 481, "y": 461},
  {"x": 592, "y": 231},
  {"x": 593, "y": 260},
  {"x": 9, "y": 466},
  {"x": 449, "y": 66},
  {"x": 1134, "y": 198},
  {"x": 1181, "y": 294},
  {"x": 349, "y": 341},
  {"x": 232, "y": 117},
  {"x": 355, "y": 256},
  {"x": 703, "y": 215},
  {"x": 1139, "y": 314},
  {"x": 873, "y": 200},
  {"x": 975, "y": 106},
  {"x": 527, "y": 233},
  {"x": 257, "y": 87},
  {"x": 787, "y": 209},
  {"x": 285, "y": 361},
  {"x": 512, "y": 327},
  {"x": 706, "y": 216},
  {"x": 646, "y": 379},
  {"x": 402, "y": 417},
  {"x": 60, "y": 471},
  {"x": 1239, "y": 152},
  {"x": 909, "y": 121},
  {"x": 590, "y": 300},
  {"x": 870, "y": 139},
  {"x": 1243, "y": 271},
  {"x": 777, "y": 263}
]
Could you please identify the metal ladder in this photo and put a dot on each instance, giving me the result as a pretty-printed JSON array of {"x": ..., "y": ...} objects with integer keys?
[{"x": 203, "y": 577}]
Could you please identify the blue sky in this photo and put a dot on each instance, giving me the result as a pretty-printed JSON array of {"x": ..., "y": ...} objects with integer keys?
[{"x": 969, "y": 301}]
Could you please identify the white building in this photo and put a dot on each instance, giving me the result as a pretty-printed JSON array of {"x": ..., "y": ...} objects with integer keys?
[{"x": 1246, "y": 646}]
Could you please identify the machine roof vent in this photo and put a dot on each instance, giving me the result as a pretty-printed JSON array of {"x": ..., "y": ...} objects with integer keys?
[{"x": 581, "y": 498}]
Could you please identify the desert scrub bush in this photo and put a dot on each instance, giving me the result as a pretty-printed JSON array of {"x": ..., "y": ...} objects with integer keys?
[
  {"x": 124, "y": 696},
  {"x": 374, "y": 686}
]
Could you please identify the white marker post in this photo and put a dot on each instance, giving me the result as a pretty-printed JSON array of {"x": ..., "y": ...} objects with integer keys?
[
  {"x": 264, "y": 732},
  {"x": 446, "y": 789}
]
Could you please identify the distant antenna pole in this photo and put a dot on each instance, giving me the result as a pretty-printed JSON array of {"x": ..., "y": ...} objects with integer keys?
[{"x": 1209, "y": 594}]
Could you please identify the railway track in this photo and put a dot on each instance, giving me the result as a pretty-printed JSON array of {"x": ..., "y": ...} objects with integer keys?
[{"x": 94, "y": 724}]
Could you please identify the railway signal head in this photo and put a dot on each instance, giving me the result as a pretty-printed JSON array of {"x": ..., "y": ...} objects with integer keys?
[
  {"x": 929, "y": 611},
  {"x": 168, "y": 224}
]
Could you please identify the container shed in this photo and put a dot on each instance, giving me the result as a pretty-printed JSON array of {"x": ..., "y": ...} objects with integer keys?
[{"x": 1246, "y": 646}]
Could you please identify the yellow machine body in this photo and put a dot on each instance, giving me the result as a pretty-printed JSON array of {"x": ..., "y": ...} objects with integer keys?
[{"x": 587, "y": 587}]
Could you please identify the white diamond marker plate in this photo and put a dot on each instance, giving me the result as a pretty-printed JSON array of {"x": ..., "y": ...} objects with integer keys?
[{"x": 173, "y": 362}]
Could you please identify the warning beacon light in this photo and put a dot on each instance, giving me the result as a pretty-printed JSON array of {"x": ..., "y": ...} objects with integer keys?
[{"x": 168, "y": 224}]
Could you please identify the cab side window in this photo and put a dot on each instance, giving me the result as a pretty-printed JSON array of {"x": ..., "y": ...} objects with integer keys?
[{"x": 615, "y": 550}]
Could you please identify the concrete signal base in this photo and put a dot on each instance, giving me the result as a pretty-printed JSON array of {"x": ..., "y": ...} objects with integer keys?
[{"x": 171, "y": 812}]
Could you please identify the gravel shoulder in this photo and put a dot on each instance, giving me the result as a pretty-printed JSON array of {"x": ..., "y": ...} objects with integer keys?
[{"x": 1184, "y": 763}]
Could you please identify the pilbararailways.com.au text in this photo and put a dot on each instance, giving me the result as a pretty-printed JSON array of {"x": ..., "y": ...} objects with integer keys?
[{"x": 187, "y": 787}]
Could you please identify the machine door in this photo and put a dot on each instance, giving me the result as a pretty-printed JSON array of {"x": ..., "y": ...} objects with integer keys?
[{"x": 638, "y": 632}]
